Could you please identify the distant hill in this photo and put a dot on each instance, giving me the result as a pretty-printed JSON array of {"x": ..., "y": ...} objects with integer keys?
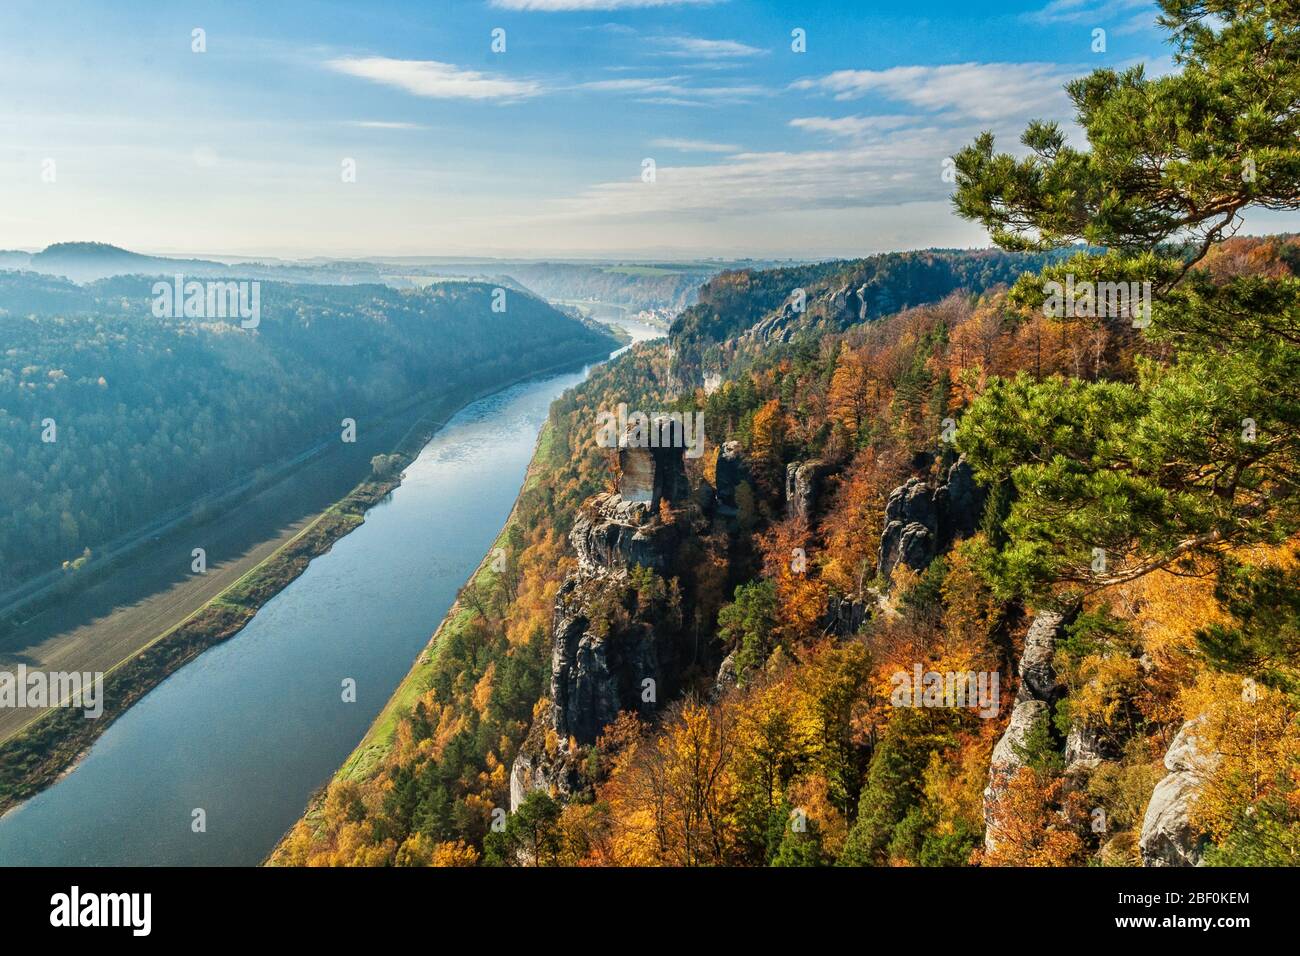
[
  {"x": 87, "y": 261},
  {"x": 154, "y": 412}
]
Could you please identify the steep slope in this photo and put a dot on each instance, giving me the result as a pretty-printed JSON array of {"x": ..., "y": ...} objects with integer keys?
[
  {"x": 149, "y": 413},
  {"x": 809, "y": 658}
]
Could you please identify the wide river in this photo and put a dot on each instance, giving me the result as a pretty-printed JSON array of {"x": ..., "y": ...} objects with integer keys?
[{"x": 247, "y": 731}]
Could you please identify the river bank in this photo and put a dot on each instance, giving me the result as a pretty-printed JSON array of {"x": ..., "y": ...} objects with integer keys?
[
  {"x": 43, "y": 751},
  {"x": 251, "y": 728}
]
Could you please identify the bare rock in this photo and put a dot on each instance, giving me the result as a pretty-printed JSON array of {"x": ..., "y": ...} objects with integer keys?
[
  {"x": 597, "y": 672},
  {"x": 535, "y": 768},
  {"x": 1168, "y": 836},
  {"x": 1038, "y": 691},
  {"x": 923, "y": 520},
  {"x": 1084, "y": 749},
  {"x": 652, "y": 463},
  {"x": 728, "y": 475},
  {"x": 1006, "y": 761},
  {"x": 613, "y": 533},
  {"x": 726, "y": 678},
  {"x": 803, "y": 486},
  {"x": 1037, "y": 676}
]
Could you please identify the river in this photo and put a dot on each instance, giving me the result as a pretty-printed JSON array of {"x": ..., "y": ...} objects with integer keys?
[{"x": 250, "y": 729}]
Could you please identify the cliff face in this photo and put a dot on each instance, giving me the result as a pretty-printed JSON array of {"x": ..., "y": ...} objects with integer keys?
[
  {"x": 923, "y": 520},
  {"x": 803, "y": 487},
  {"x": 615, "y": 649},
  {"x": 612, "y": 533},
  {"x": 1168, "y": 836},
  {"x": 1038, "y": 693}
]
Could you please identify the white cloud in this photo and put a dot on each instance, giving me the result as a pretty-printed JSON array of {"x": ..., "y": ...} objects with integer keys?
[
  {"x": 852, "y": 127},
  {"x": 668, "y": 88},
  {"x": 697, "y": 46},
  {"x": 432, "y": 79},
  {"x": 984, "y": 91},
  {"x": 1091, "y": 12},
  {"x": 906, "y": 167},
  {"x": 555, "y": 6},
  {"x": 694, "y": 145}
]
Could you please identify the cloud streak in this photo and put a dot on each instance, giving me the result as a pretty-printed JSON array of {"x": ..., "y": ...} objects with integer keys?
[
  {"x": 1092, "y": 12},
  {"x": 983, "y": 91},
  {"x": 674, "y": 89},
  {"x": 697, "y": 46},
  {"x": 694, "y": 145},
  {"x": 433, "y": 79}
]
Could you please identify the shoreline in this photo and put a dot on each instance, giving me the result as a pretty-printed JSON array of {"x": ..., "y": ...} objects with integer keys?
[{"x": 53, "y": 743}]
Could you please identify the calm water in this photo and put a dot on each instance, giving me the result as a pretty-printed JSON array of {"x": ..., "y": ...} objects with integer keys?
[{"x": 248, "y": 730}]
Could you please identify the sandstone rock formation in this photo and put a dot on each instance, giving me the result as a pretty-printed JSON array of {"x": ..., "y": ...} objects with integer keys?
[
  {"x": 1084, "y": 749},
  {"x": 923, "y": 520},
  {"x": 847, "y": 305},
  {"x": 726, "y": 678},
  {"x": 651, "y": 464},
  {"x": 607, "y": 657},
  {"x": 1168, "y": 837},
  {"x": 597, "y": 672},
  {"x": 803, "y": 486},
  {"x": 611, "y": 532},
  {"x": 1037, "y": 693},
  {"x": 728, "y": 475},
  {"x": 846, "y": 615}
]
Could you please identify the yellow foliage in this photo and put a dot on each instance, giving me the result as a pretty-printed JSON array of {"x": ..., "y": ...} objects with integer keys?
[
  {"x": 483, "y": 689},
  {"x": 457, "y": 853}
]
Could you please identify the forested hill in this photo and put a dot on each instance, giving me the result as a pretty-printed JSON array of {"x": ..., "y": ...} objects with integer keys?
[
  {"x": 651, "y": 286},
  {"x": 866, "y": 288},
  {"x": 150, "y": 413},
  {"x": 829, "y": 541}
]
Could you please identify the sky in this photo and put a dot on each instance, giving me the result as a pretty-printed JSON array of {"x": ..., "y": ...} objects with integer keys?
[{"x": 115, "y": 127}]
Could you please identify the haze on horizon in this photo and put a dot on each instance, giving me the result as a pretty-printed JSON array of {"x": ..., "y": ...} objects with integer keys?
[{"x": 118, "y": 131}]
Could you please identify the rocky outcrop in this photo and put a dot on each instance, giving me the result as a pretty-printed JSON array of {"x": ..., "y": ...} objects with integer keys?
[
  {"x": 651, "y": 463},
  {"x": 841, "y": 307},
  {"x": 1084, "y": 749},
  {"x": 803, "y": 486},
  {"x": 612, "y": 533},
  {"x": 609, "y": 653},
  {"x": 922, "y": 520},
  {"x": 911, "y": 528},
  {"x": 1006, "y": 758},
  {"x": 1168, "y": 836},
  {"x": 600, "y": 670},
  {"x": 728, "y": 475},
  {"x": 1037, "y": 676},
  {"x": 960, "y": 504},
  {"x": 538, "y": 768},
  {"x": 726, "y": 678},
  {"x": 846, "y": 615},
  {"x": 1037, "y": 693}
]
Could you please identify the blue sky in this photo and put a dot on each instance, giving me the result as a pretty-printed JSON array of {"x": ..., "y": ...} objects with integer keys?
[{"x": 537, "y": 150}]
